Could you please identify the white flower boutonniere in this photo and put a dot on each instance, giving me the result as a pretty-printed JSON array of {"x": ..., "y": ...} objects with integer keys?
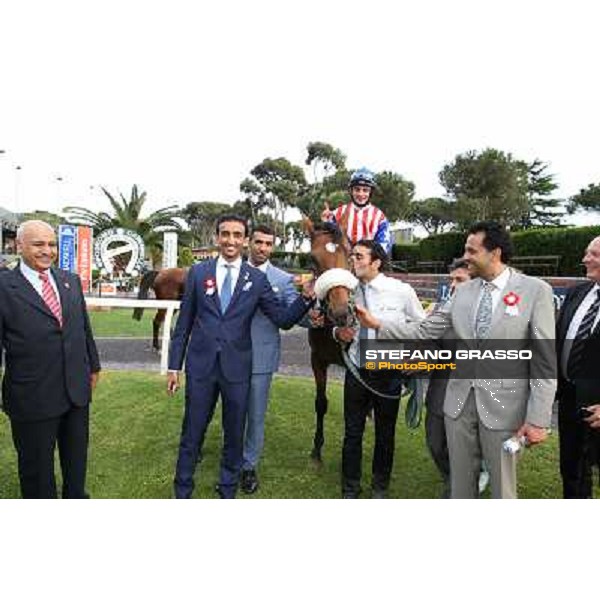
[
  {"x": 210, "y": 285},
  {"x": 247, "y": 286},
  {"x": 275, "y": 289}
]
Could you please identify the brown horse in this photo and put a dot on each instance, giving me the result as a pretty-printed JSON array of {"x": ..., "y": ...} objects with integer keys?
[
  {"x": 329, "y": 249},
  {"x": 168, "y": 284}
]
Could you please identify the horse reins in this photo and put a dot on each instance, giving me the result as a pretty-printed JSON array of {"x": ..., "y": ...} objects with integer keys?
[{"x": 415, "y": 404}]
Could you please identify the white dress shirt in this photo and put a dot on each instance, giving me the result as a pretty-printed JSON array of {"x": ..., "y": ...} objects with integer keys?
[
  {"x": 575, "y": 323},
  {"x": 33, "y": 277},
  {"x": 222, "y": 272},
  {"x": 498, "y": 284},
  {"x": 386, "y": 298}
]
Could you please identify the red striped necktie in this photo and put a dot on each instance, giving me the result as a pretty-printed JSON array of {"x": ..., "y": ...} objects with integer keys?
[{"x": 50, "y": 298}]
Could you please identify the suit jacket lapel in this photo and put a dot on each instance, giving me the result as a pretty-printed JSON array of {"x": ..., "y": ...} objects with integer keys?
[
  {"x": 571, "y": 309},
  {"x": 210, "y": 272},
  {"x": 472, "y": 301},
  {"x": 242, "y": 280},
  {"x": 27, "y": 292},
  {"x": 512, "y": 285},
  {"x": 64, "y": 291}
]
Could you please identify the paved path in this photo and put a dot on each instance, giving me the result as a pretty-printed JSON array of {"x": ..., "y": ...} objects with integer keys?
[{"x": 136, "y": 354}]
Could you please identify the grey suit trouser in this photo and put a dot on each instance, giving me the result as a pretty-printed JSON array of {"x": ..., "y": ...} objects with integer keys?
[
  {"x": 468, "y": 442},
  {"x": 258, "y": 400}
]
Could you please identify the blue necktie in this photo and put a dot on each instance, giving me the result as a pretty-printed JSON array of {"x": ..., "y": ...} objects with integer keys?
[{"x": 226, "y": 290}]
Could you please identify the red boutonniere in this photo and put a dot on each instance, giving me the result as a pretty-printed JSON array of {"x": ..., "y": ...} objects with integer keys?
[
  {"x": 210, "y": 285},
  {"x": 511, "y": 300}
]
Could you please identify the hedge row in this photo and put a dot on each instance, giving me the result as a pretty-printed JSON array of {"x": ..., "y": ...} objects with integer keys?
[
  {"x": 567, "y": 242},
  {"x": 291, "y": 260},
  {"x": 409, "y": 253}
]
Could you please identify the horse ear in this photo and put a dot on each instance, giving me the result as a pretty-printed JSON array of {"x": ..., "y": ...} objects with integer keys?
[
  {"x": 308, "y": 225},
  {"x": 343, "y": 225}
]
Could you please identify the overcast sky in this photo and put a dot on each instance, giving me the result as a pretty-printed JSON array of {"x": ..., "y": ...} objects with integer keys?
[{"x": 184, "y": 100}]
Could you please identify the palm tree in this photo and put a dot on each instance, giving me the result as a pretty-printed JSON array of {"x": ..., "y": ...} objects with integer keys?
[{"x": 127, "y": 214}]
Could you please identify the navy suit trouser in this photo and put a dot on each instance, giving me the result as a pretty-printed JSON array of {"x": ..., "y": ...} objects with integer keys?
[{"x": 200, "y": 400}]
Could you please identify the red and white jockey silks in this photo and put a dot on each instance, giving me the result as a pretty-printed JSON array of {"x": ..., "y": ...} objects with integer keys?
[{"x": 365, "y": 223}]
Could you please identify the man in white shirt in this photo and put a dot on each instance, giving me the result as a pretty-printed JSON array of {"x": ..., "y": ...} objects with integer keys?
[{"x": 396, "y": 300}]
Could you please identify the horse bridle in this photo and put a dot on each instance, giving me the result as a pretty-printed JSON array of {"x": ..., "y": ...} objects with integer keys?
[{"x": 414, "y": 406}]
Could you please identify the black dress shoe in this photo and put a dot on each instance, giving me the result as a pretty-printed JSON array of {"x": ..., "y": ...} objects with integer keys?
[
  {"x": 351, "y": 492},
  {"x": 351, "y": 489},
  {"x": 249, "y": 481},
  {"x": 224, "y": 493},
  {"x": 379, "y": 494}
]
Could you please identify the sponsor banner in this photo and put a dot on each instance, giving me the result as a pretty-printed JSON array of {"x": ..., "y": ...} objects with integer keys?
[
  {"x": 169, "y": 250},
  {"x": 84, "y": 257},
  {"x": 67, "y": 239}
]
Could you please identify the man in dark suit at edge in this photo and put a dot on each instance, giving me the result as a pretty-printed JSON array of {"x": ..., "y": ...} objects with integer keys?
[
  {"x": 51, "y": 366},
  {"x": 578, "y": 391}
]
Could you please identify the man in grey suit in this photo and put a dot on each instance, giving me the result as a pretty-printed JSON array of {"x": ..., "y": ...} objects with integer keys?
[
  {"x": 266, "y": 350},
  {"x": 482, "y": 413}
]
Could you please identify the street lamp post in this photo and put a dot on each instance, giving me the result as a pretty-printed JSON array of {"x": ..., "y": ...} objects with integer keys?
[{"x": 18, "y": 169}]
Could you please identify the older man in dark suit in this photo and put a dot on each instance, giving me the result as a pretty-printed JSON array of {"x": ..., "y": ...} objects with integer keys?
[
  {"x": 51, "y": 366},
  {"x": 578, "y": 393}
]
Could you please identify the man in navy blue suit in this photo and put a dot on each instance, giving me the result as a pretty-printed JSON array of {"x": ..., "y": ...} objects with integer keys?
[{"x": 214, "y": 326}]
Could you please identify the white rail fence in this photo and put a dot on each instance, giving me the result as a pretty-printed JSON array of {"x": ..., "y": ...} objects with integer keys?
[{"x": 169, "y": 305}]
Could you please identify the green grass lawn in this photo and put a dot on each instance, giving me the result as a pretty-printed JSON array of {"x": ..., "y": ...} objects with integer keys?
[
  {"x": 135, "y": 434},
  {"x": 118, "y": 322}
]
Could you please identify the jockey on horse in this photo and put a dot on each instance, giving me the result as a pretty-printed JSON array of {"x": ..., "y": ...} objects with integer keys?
[{"x": 365, "y": 220}]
